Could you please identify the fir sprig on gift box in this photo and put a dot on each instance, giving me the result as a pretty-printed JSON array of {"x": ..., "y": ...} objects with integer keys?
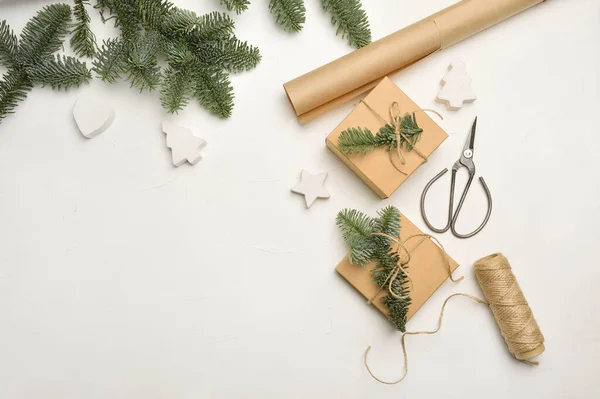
[
  {"x": 201, "y": 50},
  {"x": 358, "y": 140},
  {"x": 368, "y": 243},
  {"x": 30, "y": 60},
  {"x": 347, "y": 16}
]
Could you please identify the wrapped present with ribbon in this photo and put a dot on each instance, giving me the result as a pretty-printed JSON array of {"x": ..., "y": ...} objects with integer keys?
[
  {"x": 392, "y": 263},
  {"x": 386, "y": 138}
]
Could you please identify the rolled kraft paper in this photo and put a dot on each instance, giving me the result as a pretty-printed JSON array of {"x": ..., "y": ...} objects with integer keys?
[
  {"x": 341, "y": 80},
  {"x": 509, "y": 306}
]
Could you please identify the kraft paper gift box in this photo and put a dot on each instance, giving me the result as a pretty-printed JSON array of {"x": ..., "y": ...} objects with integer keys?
[
  {"x": 427, "y": 270},
  {"x": 375, "y": 168}
]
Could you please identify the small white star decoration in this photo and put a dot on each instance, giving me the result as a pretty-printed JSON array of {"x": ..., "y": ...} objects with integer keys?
[
  {"x": 183, "y": 144},
  {"x": 311, "y": 186}
]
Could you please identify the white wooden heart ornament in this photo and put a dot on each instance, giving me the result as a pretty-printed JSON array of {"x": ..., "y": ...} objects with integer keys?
[
  {"x": 183, "y": 144},
  {"x": 92, "y": 117}
]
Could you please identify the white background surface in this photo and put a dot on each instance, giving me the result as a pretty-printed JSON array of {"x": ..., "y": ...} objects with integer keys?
[{"x": 124, "y": 277}]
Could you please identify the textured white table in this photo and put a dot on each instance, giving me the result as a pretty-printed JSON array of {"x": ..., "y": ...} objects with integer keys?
[{"x": 124, "y": 277}]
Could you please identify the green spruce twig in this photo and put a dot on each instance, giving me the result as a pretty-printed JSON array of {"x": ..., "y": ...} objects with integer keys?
[
  {"x": 347, "y": 16},
  {"x": 360, "y": 232},
  {"x": 238, "y": 6},
  {"x": 31, "y": 59},
  {"x": 289, "y": 14},
  {"x": 350, "y": 20},
  {"x": 200, "y": 50},
  {"x": 83, "y": 40},
  {"x": 357, "y": 140}
]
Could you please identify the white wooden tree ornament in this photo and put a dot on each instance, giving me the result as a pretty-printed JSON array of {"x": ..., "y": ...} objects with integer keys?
[
  {"x": 92, "y": 117},
  {"x": 456, "y": 88},
  {"x": 311, "y": 186},
  {"x": 183, "y": 144}
]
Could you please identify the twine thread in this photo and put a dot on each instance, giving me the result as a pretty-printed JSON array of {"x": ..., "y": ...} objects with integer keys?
[
  {"x": 402, "y": 262},
  {"x": 396, "y": 117},
  {"x": 509, "y": 307}
]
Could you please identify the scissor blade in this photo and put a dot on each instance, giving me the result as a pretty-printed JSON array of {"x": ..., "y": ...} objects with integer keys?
[{"x": 469, "y": 145}]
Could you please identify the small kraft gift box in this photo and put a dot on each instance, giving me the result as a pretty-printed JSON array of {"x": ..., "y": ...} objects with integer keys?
[
  {"x": 386, "y": 165},
  {"x": 427, "y": 265}
]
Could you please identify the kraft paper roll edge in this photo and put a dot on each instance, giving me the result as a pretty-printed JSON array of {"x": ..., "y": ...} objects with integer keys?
[{"x": 341, "y": 80}]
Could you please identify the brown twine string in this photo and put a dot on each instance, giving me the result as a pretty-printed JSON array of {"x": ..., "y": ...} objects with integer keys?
[
  {"x": 396, "y": 118},
  {"x": 509, "y": 307},
  {"x": 401, "y": 263}
]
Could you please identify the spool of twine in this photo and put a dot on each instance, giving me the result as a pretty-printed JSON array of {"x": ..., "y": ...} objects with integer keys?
[{"x": 509, "y": 307}]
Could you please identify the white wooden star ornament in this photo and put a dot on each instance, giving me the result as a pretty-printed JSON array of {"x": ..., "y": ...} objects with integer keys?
[
  {"x": 183, "y": 144},
  {"x": 311, "y": 186}
]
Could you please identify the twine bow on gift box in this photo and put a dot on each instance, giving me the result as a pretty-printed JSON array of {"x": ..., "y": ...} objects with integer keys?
[
  {"x": 377, "y": 241},
  {"x": 404, "y": 261},
  {"x": 402, "y": 129}
]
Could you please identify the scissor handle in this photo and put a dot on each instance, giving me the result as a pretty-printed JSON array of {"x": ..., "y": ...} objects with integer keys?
[
  {"x": 453, "y": 215},
  {"x": 487, "y": 216},
  {"x": 450, "y": 203}
]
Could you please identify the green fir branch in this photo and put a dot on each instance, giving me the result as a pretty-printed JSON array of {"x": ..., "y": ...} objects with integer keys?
[
  {"x": 153, "y": 13},
  {"x": 357, "y": 229},
  {"x": 83, "y": 40},
  {"x": 200, "y": 51},
  {"x": 289, "y": 14},
  {"x": 111, "y": 60},
  {"x": 360, "y": 141},
  {"x": 238, "y": 6},
  {"x": 14, "y": 87},
  {"x": 176, "y": 89},
  {"x": 60, "y": 72},
  {"x": 9, "y": 46},
  {"x": 31, "y": 58},
  {"x": 350, "y": 21},
  {"x": 43, "y": 35},
  {"x": 231, "y": 55},
  {"x": 142, "y": 65},
  {"x": 388, "y": 222},
  {"x": 124, "y": 14},
  {"x": 361, "y": 233},
  {"x": 356, "y": 140},
  {"x": 209, "y": 27},
  {"x": 214, "y": 92}
]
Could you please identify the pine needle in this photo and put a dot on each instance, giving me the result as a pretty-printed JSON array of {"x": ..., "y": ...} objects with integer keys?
[
  {"x": 238, "y": 6},
  {"x": 110, "y": 62},
  {"x": 350, "y": 20},
  {"x": 60, "y": 72},
  {"x": 142, "y": 64},
  {"x": 175, "y": 89},
  {"x": 360, "y": 141},
  {"x": 9, "y": 46},
  {"x": 214, "y": 92},
  {"x": 43, "y": 35},
  {"x": 14, "y": 87},
  {"x": 289, "y": 14},
  {"x": 83, "y": 40}
]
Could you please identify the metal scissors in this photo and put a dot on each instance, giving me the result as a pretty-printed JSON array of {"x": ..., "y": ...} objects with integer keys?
[{"x": 465, "y": 160}]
